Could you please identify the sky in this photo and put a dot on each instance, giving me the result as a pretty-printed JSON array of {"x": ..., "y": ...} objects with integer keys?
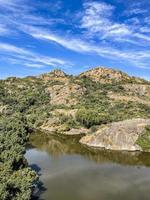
[{"x": 37, "y": 36}]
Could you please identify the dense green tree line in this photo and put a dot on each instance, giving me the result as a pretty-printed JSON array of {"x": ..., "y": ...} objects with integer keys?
[
  {"x": 16, "y": 178},
  {"x": 26, "y": 106},
  {"x": 89, "y": 117}
]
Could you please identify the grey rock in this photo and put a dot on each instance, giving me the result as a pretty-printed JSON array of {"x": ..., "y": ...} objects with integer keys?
[{"x": 118, "y": 135}]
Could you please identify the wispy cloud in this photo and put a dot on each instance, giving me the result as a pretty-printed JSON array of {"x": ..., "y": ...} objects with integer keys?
[
  {"x": 97, "y": 20},
  {"x": 147, "y": 20},
  {"x": 28, "y": 58},
  {"x": 96, "y": 31},
  {"x": 14, "y": 14},
  {"x": 3, "y": 30},
  {"x": 82, "y": 46},
  {"x": 135, "y": 11}
]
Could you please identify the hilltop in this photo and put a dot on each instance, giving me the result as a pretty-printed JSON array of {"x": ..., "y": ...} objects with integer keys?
[
  {"x": 64, "y": 104},
  {"x": 107, "y": 75}
]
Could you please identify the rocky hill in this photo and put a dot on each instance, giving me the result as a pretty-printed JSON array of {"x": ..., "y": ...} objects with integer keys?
[
  {"x": 106, "y": 75},
  {"x": 64, "y": 104}
]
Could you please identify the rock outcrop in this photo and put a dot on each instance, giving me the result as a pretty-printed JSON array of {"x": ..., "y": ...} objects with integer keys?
[
  {"x": 106, "y": 75},
  {"x": 118, "y": 135},
  {"x": 56, "y": 75},
  {"x": 67, "y": 93},
  {"x": 137, "y": 89},
  {"x": 129, "y": 98}
]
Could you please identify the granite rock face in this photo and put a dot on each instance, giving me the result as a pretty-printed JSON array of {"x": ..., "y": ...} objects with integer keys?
[
  {"x": 137, "y": 89},
  {"x": 103, "y": 75},
  {"x": 67, "y": 93},
  {"x": 118, "y": 135}
]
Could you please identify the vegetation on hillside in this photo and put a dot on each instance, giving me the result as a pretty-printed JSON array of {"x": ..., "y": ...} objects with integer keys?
[{"x": 96, "y": 108}]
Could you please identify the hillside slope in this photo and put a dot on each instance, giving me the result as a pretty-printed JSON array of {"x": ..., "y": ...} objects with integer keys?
[{"x": 67, "y": 104}]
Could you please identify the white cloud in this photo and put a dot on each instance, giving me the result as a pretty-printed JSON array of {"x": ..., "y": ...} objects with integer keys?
[
  {"x": 97, "y": 20},
  {"x": 145, "y": 29},
  {"x": 137, "y": 57},
  {"x": 117, "y": 30},
  {"x": 13, "y": 49},
  {"x": 14, "y": 14},
  {"x": 147, "y": 20},
  {"x": 72, "y": 44},
  {"x": 142, "y": 36},
  {"x": 17, "y": 54},
  {"x": 14, "y": 7},
  {"x": 3, "y": 30},
  {"x": 7, "y": 2},
  {"x": 135, "y": 11},
  {"x": 95, "y": 16}
]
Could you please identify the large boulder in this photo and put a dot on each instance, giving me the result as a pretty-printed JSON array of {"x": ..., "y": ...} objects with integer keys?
[{"x": 118, "y": 135}]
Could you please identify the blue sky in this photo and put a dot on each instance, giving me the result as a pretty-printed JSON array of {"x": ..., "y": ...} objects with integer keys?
[{"x": 37, "y": 36}]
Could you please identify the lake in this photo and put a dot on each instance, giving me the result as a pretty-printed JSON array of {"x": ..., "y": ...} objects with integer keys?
[{"x": 70, "y": 171}]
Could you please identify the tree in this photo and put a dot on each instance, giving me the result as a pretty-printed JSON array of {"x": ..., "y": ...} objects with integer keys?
[{"x": 90, "y": 117}]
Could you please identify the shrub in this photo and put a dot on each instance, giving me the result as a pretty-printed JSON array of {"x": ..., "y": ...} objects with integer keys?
[
  {"x": 94, "y": 129},
  {"x": 89, "y": 117},
  {"x": 144, "y": 140}
]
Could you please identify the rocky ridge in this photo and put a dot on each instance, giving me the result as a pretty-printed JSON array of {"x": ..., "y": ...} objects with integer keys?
[{"x": 107, "y": 75}]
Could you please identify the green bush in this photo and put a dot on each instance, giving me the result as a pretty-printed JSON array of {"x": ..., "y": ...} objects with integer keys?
[
  {"x": 89, "y": 117},
  {"x": 144, "y": 140}
]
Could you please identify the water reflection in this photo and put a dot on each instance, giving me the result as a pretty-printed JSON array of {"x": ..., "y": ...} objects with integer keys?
[
  {"x": 58, "y": 145},
  {"x": 70, "y": 171}
]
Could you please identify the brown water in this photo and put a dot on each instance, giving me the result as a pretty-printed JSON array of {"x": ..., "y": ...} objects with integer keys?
[{"x": 70, "y": 171}]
